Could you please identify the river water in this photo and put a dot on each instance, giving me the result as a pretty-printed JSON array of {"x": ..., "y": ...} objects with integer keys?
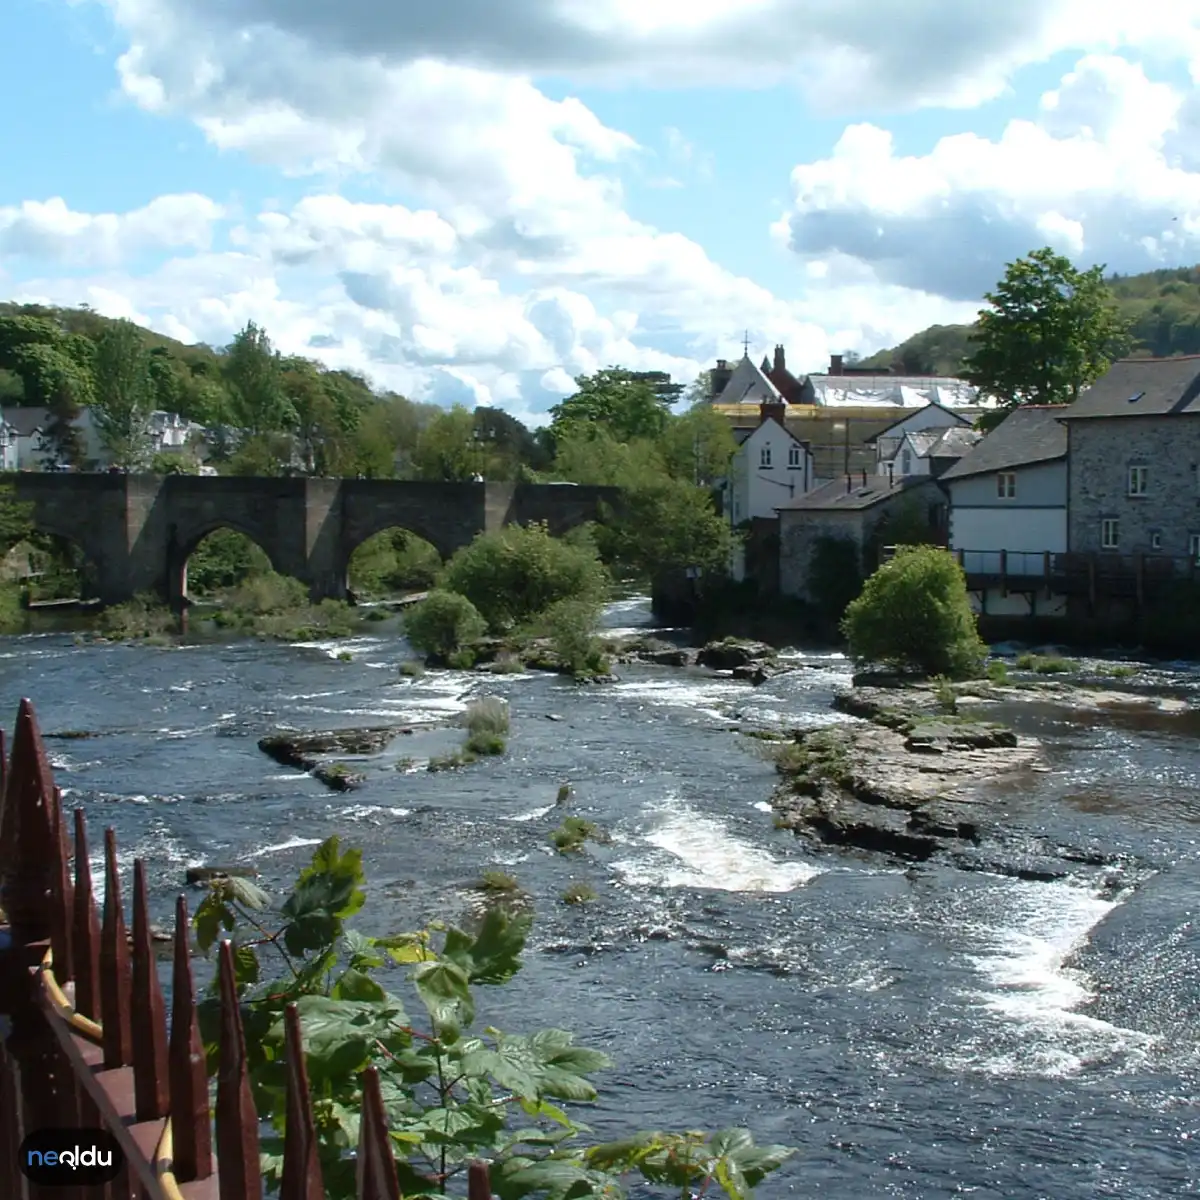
[{"x": 919, "y": 1033}]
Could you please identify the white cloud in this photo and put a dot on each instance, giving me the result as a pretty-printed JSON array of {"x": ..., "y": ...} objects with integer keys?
[
  {"x": 841, "y": 52},
  {"x": 1095, "y": 177},
  {"x": 49, "y": 230}
]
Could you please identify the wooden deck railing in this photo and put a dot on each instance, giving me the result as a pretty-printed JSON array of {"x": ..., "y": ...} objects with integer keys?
[{"x": 87, "y": 1044}]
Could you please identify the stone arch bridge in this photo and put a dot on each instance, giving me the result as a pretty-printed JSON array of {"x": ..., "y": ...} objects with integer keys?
[{"x": 137, "y": 531}]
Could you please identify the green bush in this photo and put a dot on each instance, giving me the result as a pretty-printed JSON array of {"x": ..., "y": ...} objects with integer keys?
[
  {"x": 142, "y": 617},
  {"x": 224, "y": 560},
  {"x": 442, "y": 623},
  {"x": 456, "y": 1090},
  {"x": 515, "y": 575},
  {"x": 488, "y": 716},
  {"x": 997, "y": 672},
  {"x": 268, "y": 594},
  {"x": 571, "y": 627},
  {"x": 913, "y": 615},
  {"x": 394, "y": 562},
  {"x": 579, "y": 893}
]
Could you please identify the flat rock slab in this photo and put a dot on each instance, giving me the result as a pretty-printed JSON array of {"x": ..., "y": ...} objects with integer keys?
[{"x": 305, "y": 750}]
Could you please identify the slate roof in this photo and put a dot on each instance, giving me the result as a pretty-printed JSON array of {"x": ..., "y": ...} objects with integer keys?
[
  {"x": 908, "y": 416},
  {"x": 1162, "y": 387},
  {"x": 747, "y": 384},
  {"x": 26, "y": 420},
  {"x": 833, "y": 497},
  {"x": 1031, "y": 434}
]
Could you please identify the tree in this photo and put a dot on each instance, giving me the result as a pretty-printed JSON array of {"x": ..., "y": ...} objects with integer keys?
[
  {"x": 124, "y": 394},
  {"x": 254, "y": 374},
  {"x": 913, "y": 614},
  {"x": 442, "y": 624},
  {"x": 447, "y": 449},
  {"x": 628, "y": 404},
  {"x": 1050, "y": 332},
  {"x": 516, "y": 574},
  {"x": 698, "y": 445}
]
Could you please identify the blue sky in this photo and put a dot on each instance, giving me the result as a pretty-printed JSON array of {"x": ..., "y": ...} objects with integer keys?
[{"x": 505, "y": 208}]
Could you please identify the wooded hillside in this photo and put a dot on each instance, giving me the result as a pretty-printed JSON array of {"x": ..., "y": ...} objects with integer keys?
[{"x": 1162, "y": 307}]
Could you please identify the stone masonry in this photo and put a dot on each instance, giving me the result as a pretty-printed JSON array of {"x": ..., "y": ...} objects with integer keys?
[
  {"x": 1100, "y": 453},
  {"x": 137, "y": 531}
]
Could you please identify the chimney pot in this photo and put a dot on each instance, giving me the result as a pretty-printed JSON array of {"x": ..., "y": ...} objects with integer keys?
[
  {"x": 780, "y": 364},
  {"x": 849, "y": 484}
]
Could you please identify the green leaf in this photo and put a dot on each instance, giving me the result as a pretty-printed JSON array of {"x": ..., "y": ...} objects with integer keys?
[
  {"x": 357, "y": 985},
  {"x": 245, "y": 893},
  {"x": 325, "y": 894},
  {"x": 211, "y": 917},
  {"x": 245, "y": 966},
  {"x": 554, "y": 1179},
  {"x": 496, "y": 951},
  {"x": 445, "y": 991}
]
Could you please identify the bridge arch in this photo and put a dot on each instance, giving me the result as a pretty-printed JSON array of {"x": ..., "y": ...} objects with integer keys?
[
  {"x": 395, "y": 560},
  {"x": 182, "y": 546},
  {"x": 56, "y": 564}
]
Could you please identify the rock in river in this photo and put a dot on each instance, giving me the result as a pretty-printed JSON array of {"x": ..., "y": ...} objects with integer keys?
[{"x": 304, "y": 750}]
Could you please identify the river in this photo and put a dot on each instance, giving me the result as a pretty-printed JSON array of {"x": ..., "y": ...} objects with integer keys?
[{"x": 918, "y": 1033}]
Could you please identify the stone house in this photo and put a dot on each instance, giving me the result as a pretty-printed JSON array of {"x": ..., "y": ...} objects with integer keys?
[
  {"x": 1008, "y": 508},
  {"x": 852, "y": 510},
  {"x": 1133, "y": 454}
]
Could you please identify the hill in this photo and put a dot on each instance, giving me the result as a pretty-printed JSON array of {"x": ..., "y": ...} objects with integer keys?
[{"x": 1162, "y": 308}]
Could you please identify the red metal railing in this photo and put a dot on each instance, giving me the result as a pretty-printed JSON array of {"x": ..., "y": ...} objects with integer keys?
[{"x": 87, "y": 1041}]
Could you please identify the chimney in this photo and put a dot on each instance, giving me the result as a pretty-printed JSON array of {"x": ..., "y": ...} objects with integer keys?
[
  {"x": 849, "y": 484},
  {"x": 719, "y": 376},
  {"x": 835, "y": 364},
  {"x": 864, "y": 479},
  {"x": 780, "y": 365},
  {"x": 772, "y": 410}
]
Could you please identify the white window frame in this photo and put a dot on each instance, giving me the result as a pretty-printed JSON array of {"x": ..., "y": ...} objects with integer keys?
[
  {"x": 1110, "y": 534},
  {"x": 1006, "y": 485},
  {"x": 1139, "y": 480},
  {"x": 794, "y": 457},
  {"x": 1156, "y": 540},
  {"x": 764, "y": 458}
]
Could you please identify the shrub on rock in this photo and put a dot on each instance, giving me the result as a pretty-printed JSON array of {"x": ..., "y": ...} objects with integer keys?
[
  {"x": 914, "y": 615},
  {"x": 442, "y": 624}
]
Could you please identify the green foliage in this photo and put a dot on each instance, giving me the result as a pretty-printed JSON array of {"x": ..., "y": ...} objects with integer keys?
[
  {"x": 489, "y": 715},
  {"x": 944, "y": 693},
  {"x": 442, "y": 624},
  {"x": 626, "y": 404},
  {"x": 223, "y": 560},
  {"x": 1162, "y": 309},
  {"x": 393, "y": 562},
  {"x": 834, "y": 575},
  {"x": 1048, "y": 664},
  {"x": 997, "y": 672},
  {"x": 571, "y": 627},
  {"x": 124, "y": 394},
  {"x": 451, "y": 1094},
  {"x": 579, "y": 893},
  {"x": 516, "y": 574},
  {"x": 253, "y": 373},
  {"x": 913, "y": 615},
  {"x": 573, "y": 833},
  {"x": 446, "y": 449},
  {"x": 494, "y": 880},
  {"x": 142, "y": 617},
  {"x": 1050, "y": 332}
]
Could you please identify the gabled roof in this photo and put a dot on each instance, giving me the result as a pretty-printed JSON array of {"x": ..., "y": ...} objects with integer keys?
[
  {"x": 1142, "y": 387},
  {"x": 750, "y": 433},
  {"x": 909, "y": 415},
  {"x": 948, "y": 442},
  {"x": 26, "y": 420},
  {"x": 1030, "y": 434},
  {"x": 748, "y": 385},
  {"x": 834, "y": 496}
]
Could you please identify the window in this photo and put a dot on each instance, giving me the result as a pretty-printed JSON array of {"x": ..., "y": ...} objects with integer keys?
[
  {"x": 1110, "y": 533},
  {"x": 1156, "y": 540},
  {"x": 1194, "y": 548},
  {"x": 1139, "y": 477},
  {"x": 764, "y": 457},
  {"x": 906, "y": 463},
  {"x": 794, "y": 456},
  {"x": 1006, "y": 485}
]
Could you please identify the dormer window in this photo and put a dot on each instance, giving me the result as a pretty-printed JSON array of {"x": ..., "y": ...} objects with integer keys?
[{"x": 764, "y": 457}]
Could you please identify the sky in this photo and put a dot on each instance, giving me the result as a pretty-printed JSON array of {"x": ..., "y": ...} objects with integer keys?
[{"x": 475, "y": 202}]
